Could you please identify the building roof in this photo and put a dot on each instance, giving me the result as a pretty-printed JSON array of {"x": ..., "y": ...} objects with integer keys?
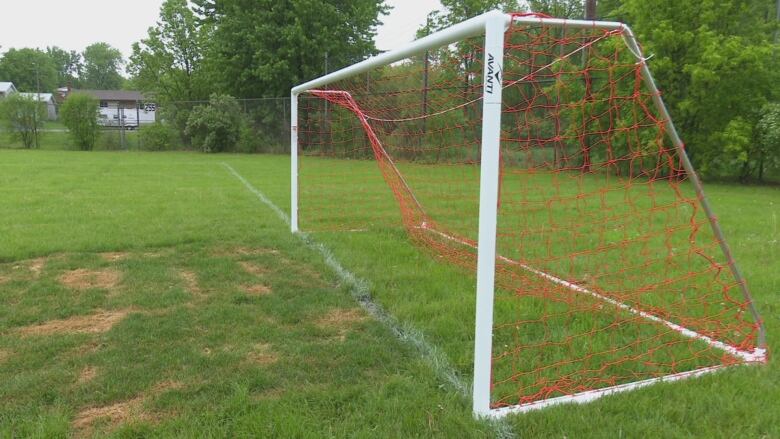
[
  {"x": 7, "y": 86},
  {"x": 114, "y": 95},
  {"x": 44, "y": 97}
]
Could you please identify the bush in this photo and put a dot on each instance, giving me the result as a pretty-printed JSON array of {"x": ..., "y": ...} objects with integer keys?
[
  {"x": 156, "y": 137},
  {"x": 23, "y": 117},
  {"x": 79, "y": 113},
  {"x": 216, "y": 127}
]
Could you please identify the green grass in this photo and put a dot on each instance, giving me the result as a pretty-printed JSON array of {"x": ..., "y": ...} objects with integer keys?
[{"x": 209, "y": 359}]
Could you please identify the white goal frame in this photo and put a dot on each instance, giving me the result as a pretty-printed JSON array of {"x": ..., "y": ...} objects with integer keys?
[{"x": 493, "y": 26}]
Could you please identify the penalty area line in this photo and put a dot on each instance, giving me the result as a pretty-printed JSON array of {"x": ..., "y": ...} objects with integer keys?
[{"x": 360, "y": 291}]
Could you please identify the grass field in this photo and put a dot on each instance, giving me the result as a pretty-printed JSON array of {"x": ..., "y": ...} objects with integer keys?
[{"x": 152, "y": 294}]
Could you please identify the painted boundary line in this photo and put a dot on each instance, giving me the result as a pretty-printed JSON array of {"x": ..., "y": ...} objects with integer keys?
[{"x": 359, "y": 289}]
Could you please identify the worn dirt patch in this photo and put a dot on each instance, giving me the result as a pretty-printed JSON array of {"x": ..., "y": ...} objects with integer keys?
[
  {"x": 83, "y": 279},
  {"x": 340, "y": 317},
  {"x": 94, "y": 323},
  {"x": 4, "y": 355},
  {"x": 157, "y": 253},
  {"x": 190, "y": 279},
  {"x": 4, "y": 279},
  {"x": 263, "y": 354},
  {"x": 36, "y": 266},
  {"x": 341, "y": 320},
  {"x": 253, "y": 268},
  {"x": 256, "y": 289},
  {"x": 120, "y": 412},
  {"x": 114, "y": 256},
  {"x": 114, "y": 414},
  {"x": 165, "y": 386},
  {"x": 87, "y": 374},
  {"x": 244, "y": 251}
]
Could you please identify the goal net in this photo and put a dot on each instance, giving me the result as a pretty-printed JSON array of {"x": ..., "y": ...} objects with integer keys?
[{"x": 547, "y": 164}]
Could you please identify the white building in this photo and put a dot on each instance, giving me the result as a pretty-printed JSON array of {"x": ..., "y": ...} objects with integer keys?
[
  {"x": 48, "y": 99},
  {"x": 126, "y": 108},
  {"x": 6, "y": 89}
]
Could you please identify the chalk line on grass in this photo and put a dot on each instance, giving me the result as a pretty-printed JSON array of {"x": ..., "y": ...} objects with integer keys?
[{"x": 360, "y": 291}]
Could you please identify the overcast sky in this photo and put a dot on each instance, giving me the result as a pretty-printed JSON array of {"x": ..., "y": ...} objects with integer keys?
[{"x": 75, "y": 24}]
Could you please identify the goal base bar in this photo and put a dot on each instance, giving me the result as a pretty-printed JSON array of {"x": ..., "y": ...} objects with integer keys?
[{"x": 591, "y": 395}]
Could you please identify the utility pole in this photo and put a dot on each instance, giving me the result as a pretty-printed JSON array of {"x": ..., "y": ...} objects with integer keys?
[
  {"x": 777, "y": 17},
  {"x": 590, "y": 9},
  {"x": 37, "y": 104},
  {"x": 426, "y": 66},
  {"x": 590, "y": 14}
]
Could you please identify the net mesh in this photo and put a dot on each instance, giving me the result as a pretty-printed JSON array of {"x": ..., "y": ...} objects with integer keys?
[{"x": 604, "y": 254}]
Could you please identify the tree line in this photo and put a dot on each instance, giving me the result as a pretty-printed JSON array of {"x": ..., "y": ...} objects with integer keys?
[{"x": 99, "y": 66}]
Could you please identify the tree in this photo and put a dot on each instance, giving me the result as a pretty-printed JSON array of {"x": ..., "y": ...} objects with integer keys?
[
  {"x": 27, "y": 68},
  {"x": 168, "y": 62},
  {"x": 68, "y": 64},
  {"x": 79, "y": 113},
  {"x": 713, "y": 60},
  {"x": 101, "y": 67},
  {"x": 216, "y": 127},
  {"x": 455, "y": 11},
  {"x": 23, "y": 117},
  {"x": 559, "y": 8},
  {"x": 768, "y": 131},
  {"x": 265, "y": 47}
]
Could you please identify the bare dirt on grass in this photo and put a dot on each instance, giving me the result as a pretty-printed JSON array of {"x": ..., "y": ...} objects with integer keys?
[
  {"x": 4, "y": 356},
  {"x": 342, "y": 320},
  {"x": 244, "y": 251},
  {"x": 83, "y": 279},
  {"x": 87, "y": 374},
  {"x": 114, "y": 414},
  {"x": 89, "y": 324},
  {"x": 120, "y": 412},
  {"x": 4, "y": 279},
  {"x": 253, "y": 268},
  {"x": 36, "y": 266},
  {"x": 263, "y": 354},
  {"x": 256, "y": 289},
  {"x": 190, "y": 279},
  {"x": 114, "y": 256}
]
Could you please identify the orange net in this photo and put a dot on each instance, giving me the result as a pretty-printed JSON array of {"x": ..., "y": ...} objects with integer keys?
[{"x": 607, "y": 269}]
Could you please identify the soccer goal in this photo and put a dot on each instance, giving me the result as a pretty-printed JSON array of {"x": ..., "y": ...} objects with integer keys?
[{"x": 537, "y": 153}]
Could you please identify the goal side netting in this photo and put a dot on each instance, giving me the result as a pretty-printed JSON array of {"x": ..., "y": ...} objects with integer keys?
[{"x": 610, "y": 271}]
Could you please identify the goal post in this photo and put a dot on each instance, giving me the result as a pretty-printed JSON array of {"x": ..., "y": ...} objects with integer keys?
[{"x": 537, "y": 153}]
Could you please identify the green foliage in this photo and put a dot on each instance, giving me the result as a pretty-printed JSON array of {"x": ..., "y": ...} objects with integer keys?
[
  {"x": 559, "y": 8},
  {"x": 157, "y": 137},
  {"x": 737, "y": 140},
  {"x": 101, "y": 67},
  {"x": 27, "y": 68},
  {"x": 216, "y": 127},
  {"x": 79, "y": 113},
  {"x": 713, "y": 60},
  {"x": 23, "y": 117},
  {"x": 262, "y": 48},
  {"x": 168, "y": 62},
  {"x": 68, "y": 64},
  {"x": 768, "y": 145},
  {"x": 455, "y": 11}
]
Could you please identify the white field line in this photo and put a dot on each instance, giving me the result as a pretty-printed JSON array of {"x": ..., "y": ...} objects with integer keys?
[
  {"x": 590, "y": 395},
  {"x": 359, "y": 289},
  {"x": 758, "y": 355}
]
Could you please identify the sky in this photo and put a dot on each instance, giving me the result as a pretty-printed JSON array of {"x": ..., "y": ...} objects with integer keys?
[{"x": 75, "y": 24}]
